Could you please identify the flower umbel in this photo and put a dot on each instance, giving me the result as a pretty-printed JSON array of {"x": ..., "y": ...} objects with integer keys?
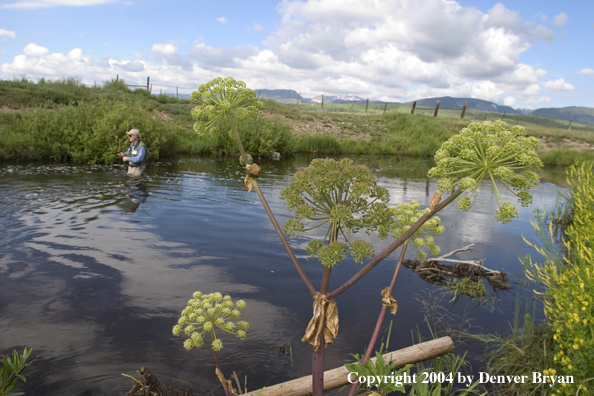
[
  {"x": 494, "y": 151},
  {"x": 341, "y": 195},
  {"x": 207, "y": 311},
  {"x": 220, "y": 98},
  {"x": 407, "y": 214}
]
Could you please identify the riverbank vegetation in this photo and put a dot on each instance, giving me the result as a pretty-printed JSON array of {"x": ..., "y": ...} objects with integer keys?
[
  {"x": 563, "y": 345},
  {"x": 65, "y": 120}
]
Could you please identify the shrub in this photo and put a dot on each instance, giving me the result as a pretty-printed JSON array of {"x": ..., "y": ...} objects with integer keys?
[
  {"x": 88, "y": 133},
  {"x": 260, "y": 137}
]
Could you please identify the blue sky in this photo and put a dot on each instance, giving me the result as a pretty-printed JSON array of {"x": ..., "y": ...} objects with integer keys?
[{"x": 521, "y": 53}]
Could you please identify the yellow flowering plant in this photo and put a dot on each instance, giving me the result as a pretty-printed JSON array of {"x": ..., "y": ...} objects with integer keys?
[{"x": 569, "y": 282}]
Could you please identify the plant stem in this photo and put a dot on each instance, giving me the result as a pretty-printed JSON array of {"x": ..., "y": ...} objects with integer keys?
[
  {"x": 387, "y": 251},
  {"x": 302, "y": 274},
  {"x": 216, "y": 356},
  {"x": 381, "y": 316},
  {"x": 317, "y": 362}
]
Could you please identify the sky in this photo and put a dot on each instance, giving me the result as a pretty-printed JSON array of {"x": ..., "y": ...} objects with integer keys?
[{"x": 520, "y": 53}]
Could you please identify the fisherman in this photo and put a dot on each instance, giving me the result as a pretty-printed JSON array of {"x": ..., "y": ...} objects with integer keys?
[{"x": 137, "y": 155}]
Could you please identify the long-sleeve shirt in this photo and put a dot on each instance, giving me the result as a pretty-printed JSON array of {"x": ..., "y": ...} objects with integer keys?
[{"x": 140, "y": 154}]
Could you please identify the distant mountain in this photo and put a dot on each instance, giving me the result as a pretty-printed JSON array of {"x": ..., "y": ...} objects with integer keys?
[
  {"x": 338, "y": 98},
  {"x": 282, "y": 95},
  {"x": 457, "y": 103},
  {"x": 580, "y": 114}
]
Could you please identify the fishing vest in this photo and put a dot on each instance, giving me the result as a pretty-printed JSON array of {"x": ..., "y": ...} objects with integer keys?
[{"x": 134, "y": 152}]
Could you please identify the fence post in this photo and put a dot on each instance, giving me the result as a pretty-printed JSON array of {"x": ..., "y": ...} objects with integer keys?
[
  {"x": 436, "y": 109},
  {"x": 463, "y": 110},
  {"x": 366, "y": 105},
  {"x": 352, "y": 106},
  {"x": 148, "y": 80},
  {"x": 503, "y": 116},
  {"x": 151, "y": 90},
  {"x": 177, "y": 92},
  {"x": 322, "y": 102},
  {"x": 412, "y": 111},
  {"x": 570, "y": 119},
  {"x": 386, "y": 105},
  {"x": 486, "y": 114},
  {"x": 259, "y": 94},
  {"x": 117, "y": 77},
  {"x": 299, "y": 97}
]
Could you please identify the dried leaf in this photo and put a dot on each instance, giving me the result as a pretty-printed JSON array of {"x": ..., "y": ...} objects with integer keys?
[
  {"x": 253, "y": 170},
  {"x": 435, "y": 200},
  {"x": 331, "y": 322},
  {"x": 221, "y": 377},
  {"x": 389, "y": 301},
  {"x": 248, "y": 183},
  {"x": 325, "y": 318}
]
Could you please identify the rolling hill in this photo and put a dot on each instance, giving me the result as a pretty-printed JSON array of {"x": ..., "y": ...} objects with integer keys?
[{"x": 580, "y": 114}]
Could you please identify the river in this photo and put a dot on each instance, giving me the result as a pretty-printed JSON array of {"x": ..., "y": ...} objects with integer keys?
[{"x": 95, "y": 269}]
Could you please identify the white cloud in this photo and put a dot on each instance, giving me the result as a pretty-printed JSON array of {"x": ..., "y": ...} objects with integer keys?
[
  {"x": 165, "y": 49},
  {"x": 539, "y": 101},
  {"x": 32, "y": 4},
  {"x": 8, "y": 33},
  {"x": 509, "y": 101},
  {"x": 559, "y": 21},
  {"x": 33, "y": 49},
  {"x": 392, "y": 49},
  {"x": 587, "y": 72},
  {"x": 559, "y": 85}
]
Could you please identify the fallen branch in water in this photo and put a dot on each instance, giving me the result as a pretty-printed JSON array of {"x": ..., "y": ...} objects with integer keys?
[{"x": 432, "y": 272}]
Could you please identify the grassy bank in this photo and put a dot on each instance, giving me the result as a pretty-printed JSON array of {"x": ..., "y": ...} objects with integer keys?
[{"x": 55, "y": 120}]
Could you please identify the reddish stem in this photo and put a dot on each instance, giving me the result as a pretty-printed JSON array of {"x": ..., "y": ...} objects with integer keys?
[{"x": 381, "y": 316}]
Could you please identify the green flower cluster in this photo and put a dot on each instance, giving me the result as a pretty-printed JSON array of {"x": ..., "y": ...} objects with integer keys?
[
  {"x": 221, "y": 98},
  {"x": 407, "y": 214},
  {"x": 489, "y": 150},
  {"x": 207, "y": 311},
  {"x": 343, "y": 195}
]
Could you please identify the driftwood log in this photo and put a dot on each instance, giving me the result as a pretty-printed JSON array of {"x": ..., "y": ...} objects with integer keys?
[
  {"x": 147, "y": 384},
  {"x": 339, "y": 376},
  {"x": 432, "y": 272}
]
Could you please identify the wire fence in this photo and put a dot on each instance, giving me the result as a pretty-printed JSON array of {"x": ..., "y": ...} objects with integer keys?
[{"x": 375, "y": 108}]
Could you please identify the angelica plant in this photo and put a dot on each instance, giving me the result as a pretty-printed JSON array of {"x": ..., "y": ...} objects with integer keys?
[
  {"x": 344, "y": 197},
  {"x": 404, "y": 217},
  {"x": 204, "y": 313},
  {"x": 494, "y": 151}
]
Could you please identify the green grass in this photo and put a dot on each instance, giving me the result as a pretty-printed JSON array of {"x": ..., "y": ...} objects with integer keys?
[
  {"x": 320, "y": 144},
  {"x": 565, "y": 157},
  {"x": 345, "y": 128}
]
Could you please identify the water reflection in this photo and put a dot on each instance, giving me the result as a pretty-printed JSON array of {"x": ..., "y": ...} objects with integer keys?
[{"x": 94, "y": 269}]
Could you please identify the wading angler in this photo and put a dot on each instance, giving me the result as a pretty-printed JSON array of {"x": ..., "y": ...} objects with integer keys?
[{"x": 137, "y": 154}]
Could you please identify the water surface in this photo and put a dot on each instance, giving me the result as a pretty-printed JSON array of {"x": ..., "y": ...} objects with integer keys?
[{"x": 95, "y": 268}]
